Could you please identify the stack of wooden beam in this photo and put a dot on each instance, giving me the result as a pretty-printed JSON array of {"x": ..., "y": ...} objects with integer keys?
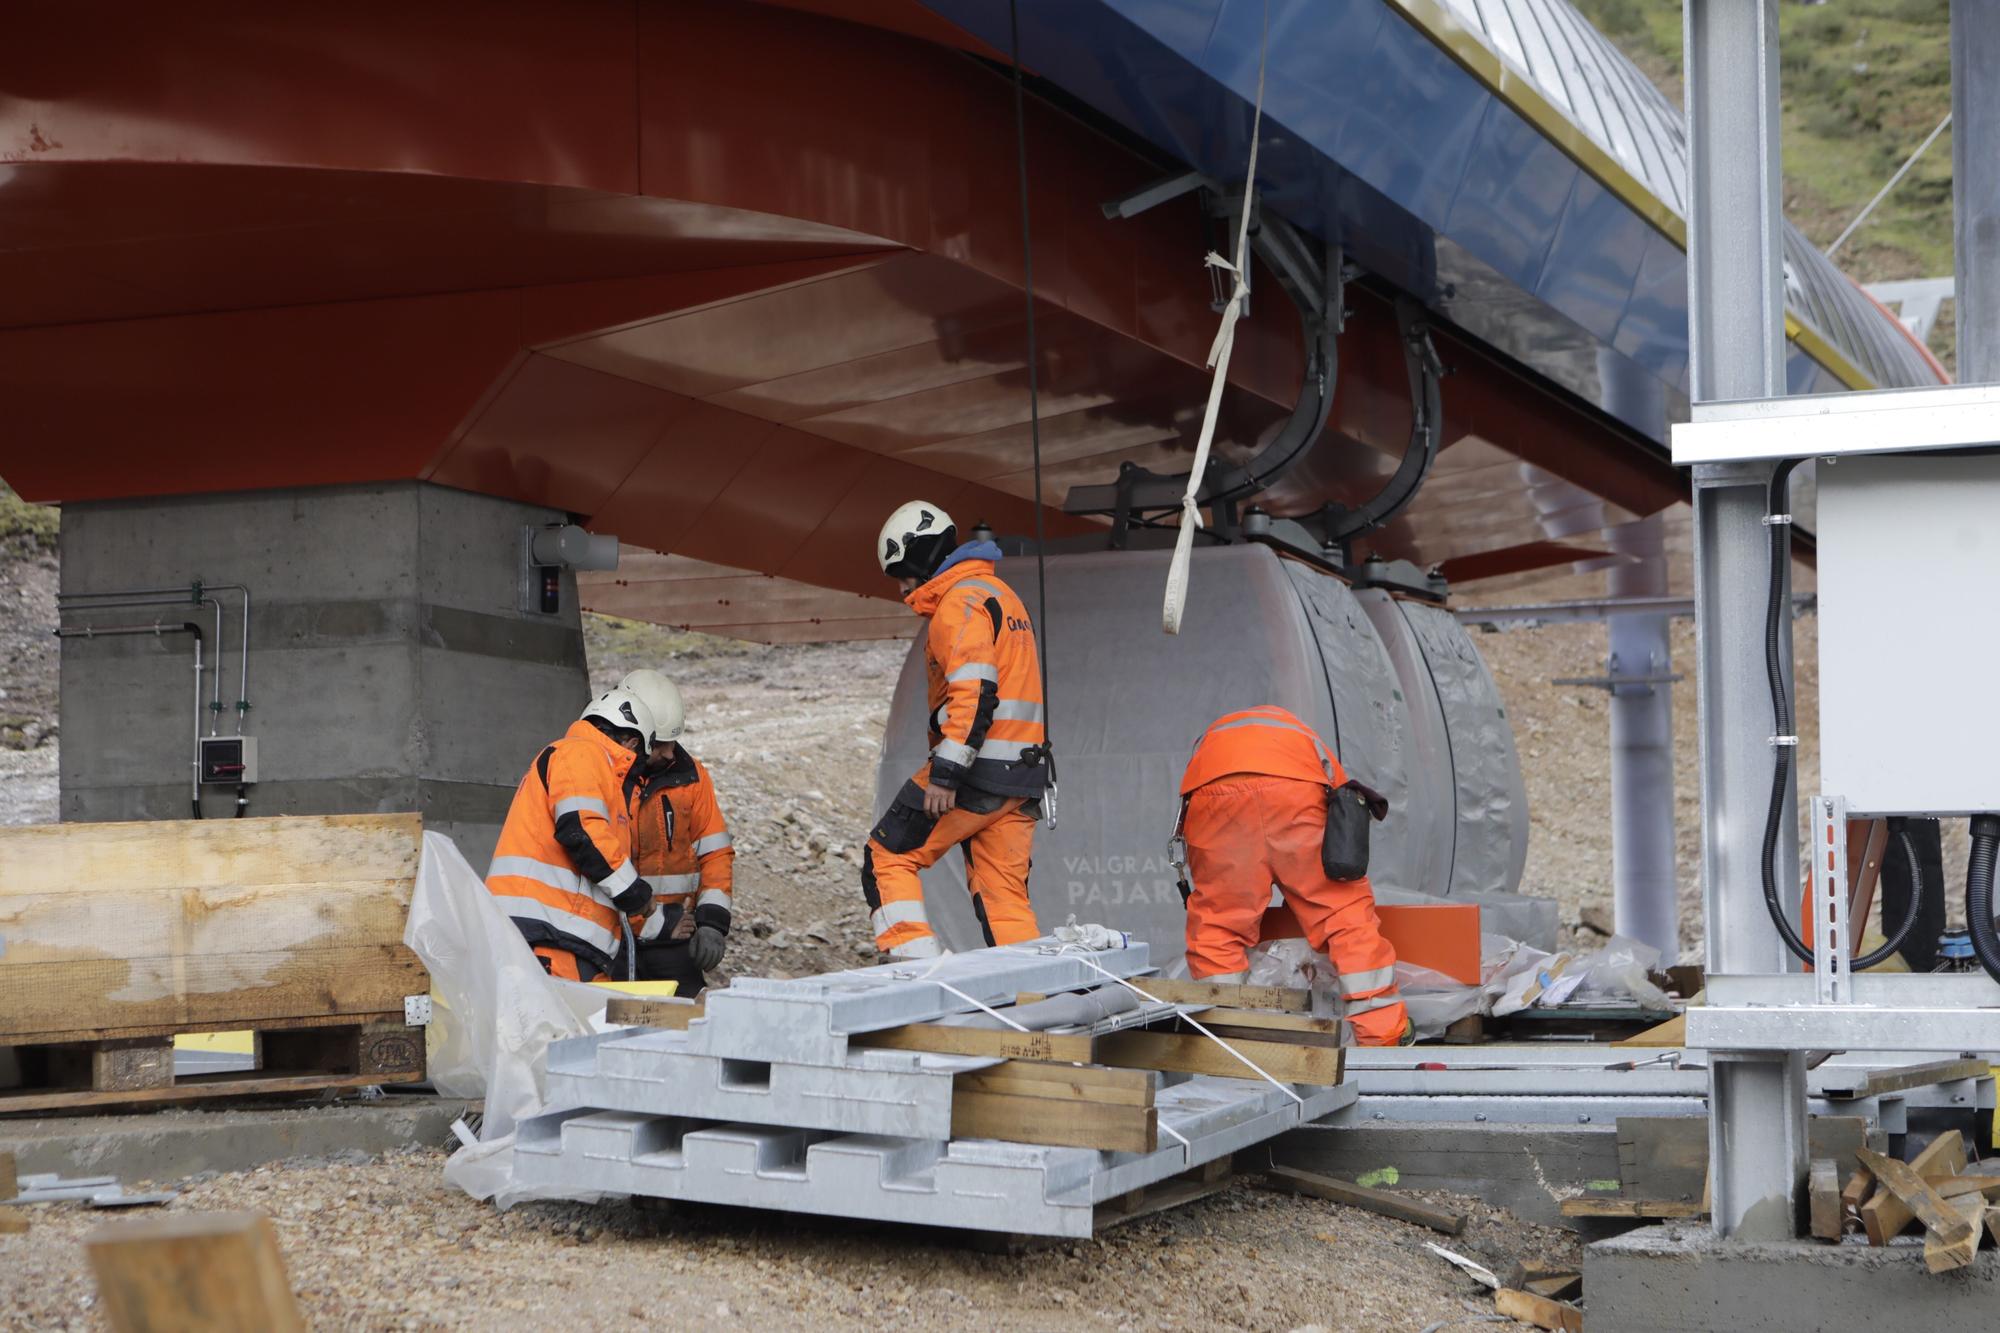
[
  {"x": 909, "y": 1093},
  {"x": 1955, "y": 1208}
]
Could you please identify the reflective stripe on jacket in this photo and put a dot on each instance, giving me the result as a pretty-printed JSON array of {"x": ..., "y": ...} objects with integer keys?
[
  {"x": 566, "y": 848},
  {"x": 682, "y": 845},
  {"x": 1265, "y": 740},
  {"x": 984, "y": 676}
]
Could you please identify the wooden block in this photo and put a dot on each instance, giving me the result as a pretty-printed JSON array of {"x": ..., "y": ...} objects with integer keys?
[
  {"x": 1290, "y": 1180},
  {"x": 1529, "y": 1308},
  {"x": 1673, "y": 1032},
  {"x": 1182, "y": 1189},
  {"x": 1192, "y": 1053},
  {"x": 1953, "y": 1187},
  {"x": 121, "y": 1066},
  {"x": 1941, "y": 1255},
  {"x": 387, "y": 1047},
  {"x": 1024, "y": 1078},
  {"x": 674, "y": 1015},
  {"x": 213, "y": 1272},
  {"x": 13, "y": 1222},
  {"x": 1562, "y": 1287},
  {"x": 1063, "y": 1122},
  {"x": 1888, "y": 1215},
  {"x": 1855, "y": 1192},
  {"x": 162, "y": 926},
  {"x": 9, "y": 1177},
  {"x": 1001, "y": 1044},
  {"x": 1295, "y": 999},
  {"x": 1901, "y": 1180},
  {"x": 1993, "y": 1226},
  {"x": 1823, "y": 1185},
  {"x": 1634, "y": 1208}
]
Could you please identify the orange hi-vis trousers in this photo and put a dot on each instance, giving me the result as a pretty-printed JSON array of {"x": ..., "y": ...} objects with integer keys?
[
  {"x": 998, "y": 846},
  {"x": 1246, "y": 832}
]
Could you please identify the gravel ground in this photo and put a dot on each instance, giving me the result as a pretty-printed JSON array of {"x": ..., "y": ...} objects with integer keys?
[{"x": 388, "y": 1245}]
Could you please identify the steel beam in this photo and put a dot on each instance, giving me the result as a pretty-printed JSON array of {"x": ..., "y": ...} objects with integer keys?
[
  {"x": 1736, "y": 291},
  {"x": 1975, "y": 138},
  {"x": 1645, "y": 886}
]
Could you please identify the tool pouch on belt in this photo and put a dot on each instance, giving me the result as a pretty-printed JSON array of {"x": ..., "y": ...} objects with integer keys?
[
  {"x": 1350, "y": 809},
  {"x": 904, "y": 826}
]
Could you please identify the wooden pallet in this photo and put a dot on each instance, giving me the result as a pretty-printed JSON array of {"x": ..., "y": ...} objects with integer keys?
[{"x": 352, "y": 1051}]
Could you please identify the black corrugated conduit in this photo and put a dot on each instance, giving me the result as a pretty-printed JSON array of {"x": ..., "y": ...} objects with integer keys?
[
  {"x": 1777, "y": 508},
  {"x": 1979, "y": 892}
]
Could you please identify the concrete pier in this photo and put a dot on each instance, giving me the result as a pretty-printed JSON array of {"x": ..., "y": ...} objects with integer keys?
[{"x": 393, "y": 661}]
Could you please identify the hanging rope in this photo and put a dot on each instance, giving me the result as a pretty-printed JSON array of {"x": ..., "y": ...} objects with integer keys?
[
  {"x": 1218, "y": 360},
  {"x": 1034, "y": 407}
]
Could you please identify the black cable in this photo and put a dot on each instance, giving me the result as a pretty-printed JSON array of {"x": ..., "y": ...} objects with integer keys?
[
  {"x": 1979, "y": 893},
  {"x": 1034, "y": 391},
  {"x": 1777, "y": 504}
]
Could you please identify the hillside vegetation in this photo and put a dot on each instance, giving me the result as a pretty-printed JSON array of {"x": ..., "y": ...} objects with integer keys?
[{"x": 1863, "y": 83}]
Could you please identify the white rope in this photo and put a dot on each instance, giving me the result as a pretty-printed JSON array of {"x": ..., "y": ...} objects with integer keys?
[
  {"x": 946, "y": 985},
  {"x": 1218, "y": 359},
  {"x": 1189, "y": 1019}
]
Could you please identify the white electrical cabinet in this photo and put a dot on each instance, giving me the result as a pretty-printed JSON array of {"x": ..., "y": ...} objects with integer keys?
[{"x": 1909, "y": 633}]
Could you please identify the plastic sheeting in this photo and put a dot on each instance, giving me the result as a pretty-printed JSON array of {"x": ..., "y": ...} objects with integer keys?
[
  {"x": 1127, "y": 704},
  {"x": 1490, "y": 847},
  {"x": 494, "y": 1013}
]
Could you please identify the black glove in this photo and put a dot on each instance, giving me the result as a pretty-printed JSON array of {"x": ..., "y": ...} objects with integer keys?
[
  {"x": 636, "y": 899},
  {"x": 705, "y": 947}
]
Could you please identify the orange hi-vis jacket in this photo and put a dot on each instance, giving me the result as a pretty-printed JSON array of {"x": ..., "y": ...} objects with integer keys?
[
  {"x": 566, "y": 849},
  {"x": 985, "y": 680},
  {"x": 682, "y": 845},
  {"x": 1266, "y": 740}
]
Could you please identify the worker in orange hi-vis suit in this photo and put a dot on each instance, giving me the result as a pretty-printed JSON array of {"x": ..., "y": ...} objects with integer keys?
[
  {"x": 981, "y": 789},
  {"x": 1255, "y": 806}
]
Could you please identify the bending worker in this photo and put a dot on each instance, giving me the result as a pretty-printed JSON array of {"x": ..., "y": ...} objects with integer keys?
[
  {"x": 682, "y": 846},
  {"x": 981, "y": 788},
  {"x": 1254, "y": 811},
  {"x": 563, "y": 868}
]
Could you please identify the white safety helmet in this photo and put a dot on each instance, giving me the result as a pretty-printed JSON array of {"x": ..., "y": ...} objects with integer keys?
[
  {"x": 915, "y": 540},
  {"x": 625, "y": 710},
  {"x": 662, "y": 698}
]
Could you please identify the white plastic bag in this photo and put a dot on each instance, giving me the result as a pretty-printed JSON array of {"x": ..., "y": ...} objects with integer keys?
[
  {"x": 1619, "y": 971},
  {"x": 495, "y": 1011},
  {"x": 1435, "y": 1001}
]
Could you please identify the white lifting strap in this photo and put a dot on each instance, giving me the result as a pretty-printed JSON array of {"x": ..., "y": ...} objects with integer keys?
[{"x": 1218, "y": 358}]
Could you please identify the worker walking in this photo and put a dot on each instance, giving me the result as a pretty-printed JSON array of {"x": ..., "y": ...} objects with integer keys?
[
  {"x": 982, "y": 786},
  {"x": 682, "y": 846},
  {"x": 1255, "y": 804},
  {"x": 563, "y": 868}
]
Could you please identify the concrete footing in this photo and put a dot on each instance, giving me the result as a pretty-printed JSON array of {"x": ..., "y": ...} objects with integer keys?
[
  {"x": 1527, "y": 1169},
  {"x": 1679, "y": 1278},
  {"x": 171, "y": 1145}
]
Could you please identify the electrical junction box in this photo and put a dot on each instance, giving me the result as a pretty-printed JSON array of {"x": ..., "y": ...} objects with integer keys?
[
  {"x": 228, "y": 760},
  {"x": 1909, "y": 632}
]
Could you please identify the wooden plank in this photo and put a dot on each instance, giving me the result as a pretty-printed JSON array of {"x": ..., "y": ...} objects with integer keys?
[
  {"x": 1062, "y": 1122},
  {"x": 249, "y": 1083},
  {"x": 1648, "y": 1208},
  {"x": 1855, "y": 1192},
  {"x": 114, "y": 861},
  {"x": 1192, "y": 1053},
  {"x": 1296, "y": 999},
  {"x": 13, "y": 1222},
  {"x": 283, "y": 1023},
  {"x": 1562, "y": 1287},
  {"x": 1025, "y": 1078},
  {"x": 1291, "y": 1180},
  {"x": 1941, "y": 1255},
  {"x": 1886, "y": 1216},
  {"x": 1666, "y": 1157},
  {"x": 1272, "y": 1025},
  {"x": 1175, "y": 1193},
  {"x": 1823, "y": 1185},
  {"x": 1673, "y": 1032},
  {"x": 1953, "y": 1187},
  {"x": 631, "y": 1011},
  {"x": 1905, "y": 1077},
  {"x": 1539, "y": 1311},
  {"x": 219, "y": 1272},
  {"x": 203, "y": 920},
  {"x": 1902, "y": 1181},
  {"x": 55, "y": 1002},
  {"x": 10, "y": 1180},
  {"x": 1001, "y": 1043}
]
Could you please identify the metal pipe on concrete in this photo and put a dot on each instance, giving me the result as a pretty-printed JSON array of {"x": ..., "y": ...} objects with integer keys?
[
  {"x": 1645, "y": 880},
  {"x": 1975, "y": 197},
  {"x": 156, "y": 629},
  {"x": 1736, "y": 350},
  {"x": 128, "y": 599}
]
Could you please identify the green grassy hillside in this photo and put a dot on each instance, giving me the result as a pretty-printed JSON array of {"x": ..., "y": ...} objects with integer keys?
[{"x": 1863, "y": 82}]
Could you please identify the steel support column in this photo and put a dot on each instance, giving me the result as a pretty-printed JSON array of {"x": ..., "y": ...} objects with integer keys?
[
  {"x": 1645, "y": 883},
  {"x": 1737, "y": 350},
  {"x": 1975, "y": 138}
]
